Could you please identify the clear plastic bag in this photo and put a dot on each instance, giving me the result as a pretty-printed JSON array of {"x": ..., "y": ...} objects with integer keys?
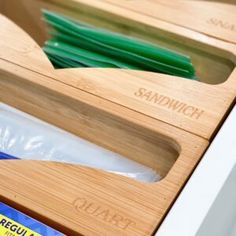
[{"x": 26, "y": 137}]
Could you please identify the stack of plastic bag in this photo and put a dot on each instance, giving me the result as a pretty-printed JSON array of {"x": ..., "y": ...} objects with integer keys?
[
  {"x": 75, "y": 44},
  {"x": 25, "y": 137}
]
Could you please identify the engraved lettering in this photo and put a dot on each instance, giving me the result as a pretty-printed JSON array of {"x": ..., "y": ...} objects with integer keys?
[
  {"x": 169, "y": 103},
  {"x": 116, "y": 219},
  {"x": 80, "y": 203},
  {"x": 140, "y": 92},
  {"x": 182, "y": 108},
  {"x": 222, "y": 24},
  {"x": 175, "y": 105},
  {"x": 164, "y": 101},
  {"x": 188, "y": 110},
  {"x": 103, "y": 213},
  {"x": 197, "y": 114},
  {"x": 155, "y": 98},
  {"x": 147, "y": 95},
  {"x": 91, "y": 208},
  {"x": 128, "y": 223},
  {"x": 212, "y": 21}
]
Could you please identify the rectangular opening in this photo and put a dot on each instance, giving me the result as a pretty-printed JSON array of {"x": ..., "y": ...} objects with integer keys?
[
  {"x": 213, "y": 65},
  {"x": 118, "y": 136},
  {"x": 41, "y": 141}
]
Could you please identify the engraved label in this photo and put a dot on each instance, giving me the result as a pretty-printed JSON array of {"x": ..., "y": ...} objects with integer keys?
[
  {"x": 147, "y": 95},
  {"x": 116, "y": 219},
  {"x": 140, "y": 92},
  {"x": 155, "y": 98},
  {"x": 103, "y": 213},
  {"x": 222, "y": 24},
  {"x": 188, "y": 111},
  {"x": 91, "y": 208},
  {"x": 169, "y": 103},
  {"x": 80, "y": 203},
  {"x": 182, "y": 108},
  {"x": 164, "y": 101},
  {"x": 197, "y": 113},
  {"x": 128, "y": 223},
  {"x": 176, "y": 105}
]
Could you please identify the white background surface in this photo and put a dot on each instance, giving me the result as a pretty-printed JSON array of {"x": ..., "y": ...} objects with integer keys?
[{"x": 194, "y": 203}]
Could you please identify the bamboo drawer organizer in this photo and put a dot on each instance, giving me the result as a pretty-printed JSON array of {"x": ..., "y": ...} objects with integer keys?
[{"x": 111, "y": 108}]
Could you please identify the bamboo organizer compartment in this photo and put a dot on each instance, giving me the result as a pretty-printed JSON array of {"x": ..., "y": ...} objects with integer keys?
[
  {"x": 61, "y": 194},
  {"x": 103, "y": 102},
  {"x": 203, "y": 113},
  {"x": 214, "y": 19}
]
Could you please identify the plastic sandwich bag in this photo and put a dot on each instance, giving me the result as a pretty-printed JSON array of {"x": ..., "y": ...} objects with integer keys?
[
  {"x": 96, "y": 47},
  {"x": 26, "y": 137}
]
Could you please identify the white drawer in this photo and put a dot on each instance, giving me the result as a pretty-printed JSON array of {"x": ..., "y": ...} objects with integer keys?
[{"x": 207, "y": 205}]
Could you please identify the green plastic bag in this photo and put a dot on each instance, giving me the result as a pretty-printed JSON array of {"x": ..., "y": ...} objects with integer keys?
[{"x": 75, "y": 44}]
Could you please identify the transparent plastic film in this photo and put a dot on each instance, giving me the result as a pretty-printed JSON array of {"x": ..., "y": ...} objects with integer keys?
[{"x": 26, "y": 137}]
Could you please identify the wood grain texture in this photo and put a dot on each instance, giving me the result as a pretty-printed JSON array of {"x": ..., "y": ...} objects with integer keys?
[
  {"x": 192, "y": 106},
  {"x": 66, "y": 196},
  {"x": 213, "y": 19},
  {"x": 26, "y": 16},
  {"x": 199, "y": 47},
  {"x": 100, "y": 105},
  {"x": 80, "y": 200}
]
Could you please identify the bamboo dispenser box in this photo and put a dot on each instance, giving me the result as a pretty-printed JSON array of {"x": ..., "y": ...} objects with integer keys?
[{"x": 160, "y": 121}]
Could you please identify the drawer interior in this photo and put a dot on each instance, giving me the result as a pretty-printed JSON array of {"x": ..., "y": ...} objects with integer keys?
[{"x": 213, "y": 65}]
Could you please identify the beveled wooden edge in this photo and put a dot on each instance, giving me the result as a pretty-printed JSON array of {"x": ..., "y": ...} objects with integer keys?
[
  {"x": 191, "y": 148},
  {"x": 122, "y": 15},
  {"x": 58, "y": 194},
  {"x": 27, "y": 189},
  {"x": 209, "y": 18},
  {"x": 18, "y": 47},
  {"x": 206, "y": 112}
]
